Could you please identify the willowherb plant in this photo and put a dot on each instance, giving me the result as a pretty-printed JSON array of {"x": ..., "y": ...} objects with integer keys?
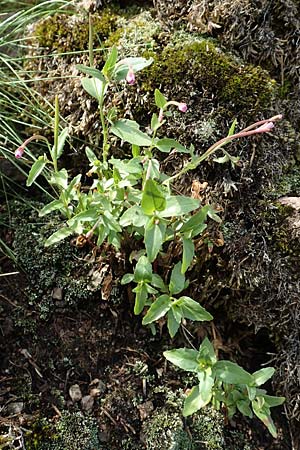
[{"x": 131, "y": 198}]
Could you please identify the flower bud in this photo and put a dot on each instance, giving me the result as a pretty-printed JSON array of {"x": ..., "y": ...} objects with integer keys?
[
  {"x": 161, "y": 115},
  {"x": 19, "y": 152},
  {"x": 182, "y": 107},
  {"x": 130, "y": 77}
]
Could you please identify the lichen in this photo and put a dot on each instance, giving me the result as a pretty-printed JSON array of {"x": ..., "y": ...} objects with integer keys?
[
  {"x": 73, "y": 431},
  {"x": 58, "y": 267}
]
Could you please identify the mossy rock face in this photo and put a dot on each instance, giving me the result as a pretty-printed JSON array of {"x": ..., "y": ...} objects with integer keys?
[
  {"x": 64, "y": 33},
  {"x": 57, "y": 276},
  {"x": 262, "y": 33}
]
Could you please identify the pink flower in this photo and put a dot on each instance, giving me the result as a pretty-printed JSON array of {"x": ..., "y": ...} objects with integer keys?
[
  {"x": 265, "y": 127},
  {"x": 130, "y": 77},
  {"x": 182, "y": 107},
  {"x": 19, "y": 152}
]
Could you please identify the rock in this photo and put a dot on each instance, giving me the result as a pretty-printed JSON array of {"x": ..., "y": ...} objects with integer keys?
[
  {"x": 75, "y": 393},
  {"x": 15, "y": 408},
  {"x": 87, "y": 403}
]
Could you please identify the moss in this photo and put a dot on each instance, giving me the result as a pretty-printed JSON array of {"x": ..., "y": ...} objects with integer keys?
[
  {"x": 211, "y": 72},
  {"x": 62, "y": 33}
]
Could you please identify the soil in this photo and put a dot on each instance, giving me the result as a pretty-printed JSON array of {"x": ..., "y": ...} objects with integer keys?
[{"x": 115, "y": 362}]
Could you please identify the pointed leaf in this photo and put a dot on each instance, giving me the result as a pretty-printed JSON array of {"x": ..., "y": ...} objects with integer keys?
[
  {"x": 59, "y": 235},
  {"x": 158, "y": 309},
  {"x": 165, "y": 145},
  {"x": 53, "y": 206},
  {"x": 141, "y": 296},
  {"x": 178, "y": 205},
  {"x": 232, "y": 373},
  {"x": 94, "y": 87},
  {"x": 127, "y": 278},
  {"x": 143, "y": 270},
  {"x": 136, "y": 64},
  {"x": 177, "y": 280},
  {"x": 36, "y": 169},
  {"x": 196, "y": 219},
  {"x": 173, "y": 323},
  {"x": 199, "y": 396},
  {"x": 110, "y": 62},
  {"x": 185, "y": 358},
  {"x": 187, "y": 254},
  {"x": 153, "y": 198},
  {"x": 61, "y": 142},
  {"x": 192, "y": 310},
  {"x": 160, "y": 99},
  {"x": 262, "y": 375},
  {"x": 154, "y": 237},
  {"x": 95, "y": 73},
  {"x": 128, "y": 131}
]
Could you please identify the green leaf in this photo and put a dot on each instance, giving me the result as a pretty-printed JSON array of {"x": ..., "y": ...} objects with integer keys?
[
  {"x": 153, "y": 198},
  {"x": 232, "y": 128},
  {"x": 94, "y": 87},
  {"x": 207, "y": 352},
  {"x": 61, "y": 142},
  {"x": 155, "y": 123},
  {"x": 187, "y": 254},
  {"x": 262, "y": 375},
  {"x": 166, "y": 144},
  {"x": 263, "y": 413},
  {"x": 53, "y": 206},
  {"x": 160, "y": 99},
  {"x": 111, "y": 222},
  {"x": 128, "y": 131},
  {"x": 244, "y": 407},
  {"x": 141, "y": 296},
  {"x": 196, "y": 220},
  {"x": 89, "y": 215},
  {"x": 143, "y": 270},
  {"x": 272, "y": 401},
  {"x": 70, "y": 192},
  {"x": 137, "y": 64},
  {"x": 133, "y": 216},
  {"x": 192, "y": 310},
  {"x": 90, "y": 155},
  {"x": 59, "y": 235},
  {"x": 95, "y": 73},
  {"x": 110, "y": 62},
  {"x": 177, "y": 280},
  {"x": 36, "y": 169},
  {"x": 152, "y": 168},
  {"x": 158, "y": 282},
  {"x": 178, "y": 205},
  {"x": 60, "y": 178},
  {"x": 173, "y": 323},
  {"x": 221, "y": 159},
  {"x": 158, "y": 309},
  {"x": 127, "y": 278},
  {"x": 154, "y": 237},
  {"x": 212, "y": 214},
  {"x": 185, "y": 358},
  {"x": 200, "y": 395},
  {"x": 232, "y": 373}
]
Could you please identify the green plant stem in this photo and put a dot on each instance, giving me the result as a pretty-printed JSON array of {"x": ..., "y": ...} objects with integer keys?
[
  {"x": 91, "y": 39},
  {"x": 56, "y": 131},
  {"x": 255, "y": 128}
]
